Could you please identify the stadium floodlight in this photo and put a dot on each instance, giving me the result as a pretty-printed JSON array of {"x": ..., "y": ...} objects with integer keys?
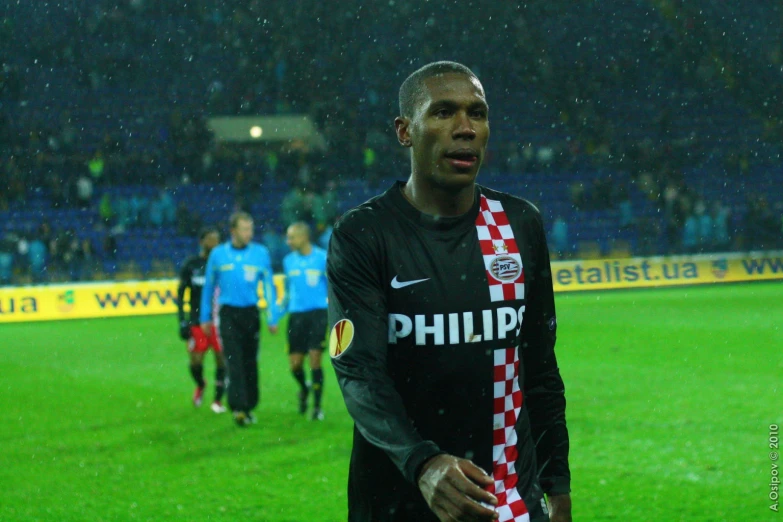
[{"x": 247, "y": 129}]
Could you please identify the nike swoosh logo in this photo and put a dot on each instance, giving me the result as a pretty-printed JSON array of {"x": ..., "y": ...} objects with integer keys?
[{"x": 403, "y": 284}]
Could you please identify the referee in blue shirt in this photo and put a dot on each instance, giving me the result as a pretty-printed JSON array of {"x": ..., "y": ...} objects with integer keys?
[
  {"x": 235, "y": 268},
  {"x": 305, "y": 271}
]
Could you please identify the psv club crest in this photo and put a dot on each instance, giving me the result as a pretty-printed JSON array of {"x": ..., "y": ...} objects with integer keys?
[{"x": 505, "y": 268}]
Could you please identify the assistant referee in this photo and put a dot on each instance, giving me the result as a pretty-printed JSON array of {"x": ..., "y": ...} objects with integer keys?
[
  {"x": 235, "y": 269},
  {"x": 305, "y": 273}
]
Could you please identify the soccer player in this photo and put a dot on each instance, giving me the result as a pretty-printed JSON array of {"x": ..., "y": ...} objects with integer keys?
[
  {"x": 305, "y": 271},
  {"x": 441, "y": 301},
  {"x": 192, "y": 276},
  {"x": 236, "y": 268}
]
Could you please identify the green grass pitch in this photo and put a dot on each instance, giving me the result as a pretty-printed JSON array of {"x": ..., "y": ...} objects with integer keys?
[{"x": 670, "y": 396}]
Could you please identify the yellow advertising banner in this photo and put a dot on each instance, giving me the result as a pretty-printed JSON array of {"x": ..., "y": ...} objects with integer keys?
[
  {"x": 112, "y": 299},
  {"x": 606, "y": 274},
  {"x": 81, "y": 301}
]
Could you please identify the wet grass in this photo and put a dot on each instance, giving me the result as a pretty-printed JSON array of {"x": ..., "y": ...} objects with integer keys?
[{"x": 670, "y": 395}]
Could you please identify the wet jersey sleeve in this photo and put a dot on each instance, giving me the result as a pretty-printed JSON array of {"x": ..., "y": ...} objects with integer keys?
[
  {"x": 358, "y": 344},
  {"x": 270, "y": 290},
  {"x": 543, "y": 388},
  {"x": 283, "y": 309},
  {"x": 185, "y": 278}
]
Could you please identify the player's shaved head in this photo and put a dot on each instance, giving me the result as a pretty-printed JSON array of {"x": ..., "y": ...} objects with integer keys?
[
  {"x": 413, "y": 87},
  {"x": 445, "y": 124}
]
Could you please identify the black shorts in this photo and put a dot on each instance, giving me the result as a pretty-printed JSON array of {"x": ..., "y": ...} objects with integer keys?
[{"x": 306, "y": 331}]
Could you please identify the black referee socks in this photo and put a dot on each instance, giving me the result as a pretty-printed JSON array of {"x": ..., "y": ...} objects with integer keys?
[
  {"x": 220, "y": 383},
  {"x": 318, "y": 384},
  {"x": 300, "y": 378}
]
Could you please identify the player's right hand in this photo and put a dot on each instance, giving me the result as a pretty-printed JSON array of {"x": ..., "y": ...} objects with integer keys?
[
  {"x": 184, "y": 330},
  {"x": 207, "y": 328},
  {"x": 453, "y": 490}
]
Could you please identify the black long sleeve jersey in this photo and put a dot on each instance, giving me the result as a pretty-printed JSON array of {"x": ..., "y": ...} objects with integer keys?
[
  {"x": 191, "y": 275},
  {"x": 443, "y": 342}
]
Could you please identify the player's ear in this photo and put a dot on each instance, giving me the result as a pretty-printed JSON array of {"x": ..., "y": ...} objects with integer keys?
[{"x": 402, "y": 128}]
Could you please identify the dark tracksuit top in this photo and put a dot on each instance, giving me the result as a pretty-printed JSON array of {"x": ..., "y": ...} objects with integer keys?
[
  {"x": 443, "y": 335},
  {"x": 191, "y": 276}
]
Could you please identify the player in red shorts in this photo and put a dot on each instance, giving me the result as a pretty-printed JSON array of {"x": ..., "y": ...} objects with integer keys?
[{"x": 192, "y": 276}]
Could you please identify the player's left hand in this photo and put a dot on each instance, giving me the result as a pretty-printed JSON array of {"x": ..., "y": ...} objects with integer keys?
[
  {"x": 453, "y": 489},
  {"x": 273, "y": 329},
  {"x": 560, "y": 508}
]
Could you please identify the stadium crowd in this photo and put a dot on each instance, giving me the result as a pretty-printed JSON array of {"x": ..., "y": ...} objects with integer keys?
[{"x": 624, "y": 130}]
